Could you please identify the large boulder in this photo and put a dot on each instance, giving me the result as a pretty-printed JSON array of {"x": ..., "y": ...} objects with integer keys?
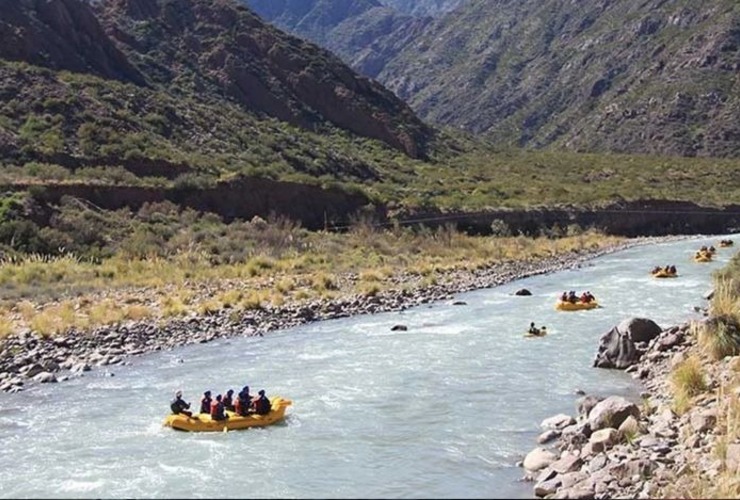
[
  {"x": 612, "y": 412},
  {"x": 617, "y": 346},
  {"x": 558, "y": 422},
  {"x": 603, "y": 439},
  {"x": 538, "y": 459},
  {"x": 585, "y": 404},
  {"x": 640, "y": 329}
]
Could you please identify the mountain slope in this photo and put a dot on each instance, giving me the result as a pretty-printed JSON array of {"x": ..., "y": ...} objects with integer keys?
[
  {"x": 364, "y": 33},
  {"x": 222, "y": 45},
  {"x": 654, "y": 76},
  {"x": 218, "y": 49},
  {"x": 423, "y": 7},
  {"x": 61, "y": 34}
]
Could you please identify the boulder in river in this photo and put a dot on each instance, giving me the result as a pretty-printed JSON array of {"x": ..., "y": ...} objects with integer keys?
[
  {"x": 523, "y": 292},
  {"x": 617, "y": 346}
]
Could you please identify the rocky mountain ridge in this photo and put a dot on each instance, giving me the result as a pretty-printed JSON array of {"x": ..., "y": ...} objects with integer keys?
[
  {"x": 433, "y": 8},
  {"x": 219, "y": 49},
  {"x": 656, "y": 77},
  {"x": 653, "y": 77}
]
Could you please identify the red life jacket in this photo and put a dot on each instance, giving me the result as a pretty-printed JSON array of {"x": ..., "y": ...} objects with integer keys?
[
  {"x": 237, "y": 405},
  {"x": 214, "y": 407}
]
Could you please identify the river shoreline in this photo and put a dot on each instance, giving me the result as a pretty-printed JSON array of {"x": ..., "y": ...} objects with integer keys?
[
  {"x": 614, "y": 448},
  {"x": 27, "y": 358}
]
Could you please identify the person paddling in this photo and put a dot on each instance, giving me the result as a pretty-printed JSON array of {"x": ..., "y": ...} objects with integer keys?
[
  {"x": 179, "y": 406},
  {"x": 228, "y": 400},
  {"x": 262, "y": 404},
  {"x": 243, "y": 401},
  {"x": 205, "y": 402},
  {"x": 218, "y": 410}
]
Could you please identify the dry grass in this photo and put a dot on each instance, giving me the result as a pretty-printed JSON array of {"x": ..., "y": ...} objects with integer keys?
[
  {"x": 718, "y": 337},
  {"x": 157, "y": 288},
  {"x": 137, "y": 312},
  {"x": 687, "y": 381},
  {"x": 692, "y": 484},
  {"x": 369, "y": 289},
  {"x": 322, "y": 282},
  {"x": 6, "y": 327},
  {"x": 253, "y": 300}
]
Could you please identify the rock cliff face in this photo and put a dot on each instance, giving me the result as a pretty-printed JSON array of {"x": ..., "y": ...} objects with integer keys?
[
  {"x": 423, "y": 7},
  {"x": 364, "y": 33},
  {"x": 628, "y": 76},
  {"x": 216, "y": 48},
  {"x": 61, "y": 34},
  {"x": 223, "y": 45},
  {"x": 655, "y": 76}
]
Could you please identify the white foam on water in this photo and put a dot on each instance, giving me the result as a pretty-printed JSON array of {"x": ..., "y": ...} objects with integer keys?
[{"x": 76, "y": 486}]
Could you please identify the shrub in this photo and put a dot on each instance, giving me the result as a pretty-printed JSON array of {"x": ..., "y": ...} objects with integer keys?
[
  {"x": 687, "y": 380},
  {"x": 720, "y": 336},
  {"x": 500, "y": 228},
  {"x": 322, "y": 281}
]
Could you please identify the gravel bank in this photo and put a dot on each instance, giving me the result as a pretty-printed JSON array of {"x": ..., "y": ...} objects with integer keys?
[{"x": 614, "y": 448}]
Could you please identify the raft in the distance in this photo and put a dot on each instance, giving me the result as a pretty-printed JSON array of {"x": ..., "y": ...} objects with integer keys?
[
  {"x": 665, "y": 274},
  {"x": 575, "y": 306},
  {"x": 204, "y": 423}
]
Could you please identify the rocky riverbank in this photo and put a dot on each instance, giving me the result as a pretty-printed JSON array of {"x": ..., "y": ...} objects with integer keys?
[
  {"x": 28, "y": 357},
  {"x": 614, "y": 448}
]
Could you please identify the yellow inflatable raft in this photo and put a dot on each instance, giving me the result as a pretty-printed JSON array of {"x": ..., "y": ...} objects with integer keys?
[
  {"x": 665, "y": 274},
  {"x": 703, "y": 258},
  {"x": 203, "y": 422},
  {"x": 727, "y": 243},
  {"x": 577, "y": 306}
]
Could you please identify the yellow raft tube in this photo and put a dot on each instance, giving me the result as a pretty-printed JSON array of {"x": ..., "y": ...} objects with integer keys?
[
  {"x": 704, "y": 257},
  {"x": 235, "y": 422},
  {"x": 665, "y": 274},
  {"x": 577, "y": 306}
]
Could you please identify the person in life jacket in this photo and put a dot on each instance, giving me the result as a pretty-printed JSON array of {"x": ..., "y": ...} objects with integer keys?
[
  {"x": 243, "y": 402},
  {"x": 217, "y": 409},
  {"x": 262, "y": 404},
  {"x": 205, "y": 402},
  {"x": 533, "y": 329},
  {"x": 228, "y": 400},
  {"x": 179, "y": 406}
]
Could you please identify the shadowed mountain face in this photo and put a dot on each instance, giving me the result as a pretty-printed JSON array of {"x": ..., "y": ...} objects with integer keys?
[
  {"x": 214, "y": 47},
  {"x": 653, "y": 76},
  {"x": 423, "y": 7},
  {"x": 648, "y": 76},
  {"x": 61, "y": 34},
  {"x": 364, "y": 33}
]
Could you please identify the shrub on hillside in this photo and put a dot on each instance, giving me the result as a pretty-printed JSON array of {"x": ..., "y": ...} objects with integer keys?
[{"x": 720, "y": 336}]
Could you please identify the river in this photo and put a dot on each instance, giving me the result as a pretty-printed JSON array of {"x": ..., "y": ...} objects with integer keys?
[{"x": 442, "y": 410}]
